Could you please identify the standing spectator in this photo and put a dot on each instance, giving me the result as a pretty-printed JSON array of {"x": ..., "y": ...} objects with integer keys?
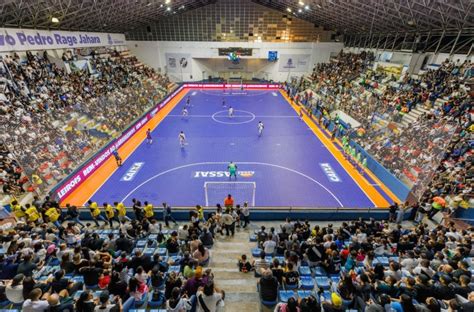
[
  {"x": 167, "y": 216},
  {"x": 245, "y": 212},
  {"x": 268, "y": 286}
]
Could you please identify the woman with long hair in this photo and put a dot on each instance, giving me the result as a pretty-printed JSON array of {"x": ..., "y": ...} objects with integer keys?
[
  {"x": 177, "y": 302},
  {"x": 201, "y": 255},
  {"x": 209, "y": 298},
  {"x": 85, "y": 303}
]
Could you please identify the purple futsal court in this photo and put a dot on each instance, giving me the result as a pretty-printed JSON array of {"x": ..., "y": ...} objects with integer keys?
[{"x": 287, "y": 166}]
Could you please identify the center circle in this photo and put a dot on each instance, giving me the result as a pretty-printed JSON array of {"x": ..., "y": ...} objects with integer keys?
[{"x": 233, "y": 120}]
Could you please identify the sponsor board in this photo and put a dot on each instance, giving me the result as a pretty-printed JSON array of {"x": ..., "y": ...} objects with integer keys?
[
  {"x": 330, "y": 172},
  {"x": 132, "y": 172},
  {"x": 221, "y": 174},
  {"x": 13, "y": 39}
]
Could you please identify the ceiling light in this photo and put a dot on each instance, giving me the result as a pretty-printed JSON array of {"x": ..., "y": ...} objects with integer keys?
[
  {"x": 168, "y": 9},
  {"x": 306, "y": 7},
  {"x": 54, "y": 20},
  {"x": 318, "y": 5},
  {"x": 167, "y": 1},
  {"x": 299, "y": 10},
  {"x": 301, "y": 3},
  {"x": 161, "y": 5},
  {"x": 148, "y": 4},
  {"x": 288, "y": 9}
]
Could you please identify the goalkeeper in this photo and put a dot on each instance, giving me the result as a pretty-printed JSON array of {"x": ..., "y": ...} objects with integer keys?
[{"x": 232, "y": 170}]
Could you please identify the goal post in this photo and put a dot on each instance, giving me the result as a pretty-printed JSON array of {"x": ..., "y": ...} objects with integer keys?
[
  {"x": 215, "y": 192},
  {"x": 235, "y": 81}
]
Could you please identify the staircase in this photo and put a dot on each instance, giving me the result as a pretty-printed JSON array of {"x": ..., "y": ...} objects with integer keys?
[
  {"x": 415, "y": 114},
  {"x": 240, "y": 288}
]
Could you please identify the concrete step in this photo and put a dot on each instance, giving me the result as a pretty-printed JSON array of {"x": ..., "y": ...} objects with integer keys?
[{"x": 242, "y": 306}]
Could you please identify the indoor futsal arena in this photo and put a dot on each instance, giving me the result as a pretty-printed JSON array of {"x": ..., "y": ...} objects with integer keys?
[{"x": 236, "y": 155}]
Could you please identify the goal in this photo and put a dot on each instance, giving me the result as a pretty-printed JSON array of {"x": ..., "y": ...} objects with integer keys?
[
  {"x": 216, "y": 192},
  {"x": 235, "y": 80}
]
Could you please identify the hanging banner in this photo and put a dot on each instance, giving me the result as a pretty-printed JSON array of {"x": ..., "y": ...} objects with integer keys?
[
  {"x": 178, "y": 62},
  {"x": 294, "y": 62},
  {"x": 13, "y": 39}
]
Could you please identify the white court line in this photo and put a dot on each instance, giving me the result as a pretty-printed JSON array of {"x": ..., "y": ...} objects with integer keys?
[
  {"x": 235, "y": 116},
  {"x": 236, "y": 93},
  {"x": 238, "y": 162}
]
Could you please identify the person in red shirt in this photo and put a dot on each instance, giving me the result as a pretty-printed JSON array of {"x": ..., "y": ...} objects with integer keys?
[{"x": 229, "y": 201}]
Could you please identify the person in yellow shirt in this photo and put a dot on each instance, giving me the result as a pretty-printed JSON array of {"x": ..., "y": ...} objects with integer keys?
[
  {"x": 17, "y": 210},
  {"x": 53, "y": 215},
  {"x": 109, "y": 214},
  {"x": 121, "y": 211},
  {"x": 95, "y": 212},
  {"x": 149, "y": 213},
  {"x": 31, "y": 213}
]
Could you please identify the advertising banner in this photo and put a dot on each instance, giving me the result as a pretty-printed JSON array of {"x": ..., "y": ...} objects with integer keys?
[
  {"x": 13, "y": 39},
  {"x": 294, "y": 63},
  {"x": 178, "y": 62}
]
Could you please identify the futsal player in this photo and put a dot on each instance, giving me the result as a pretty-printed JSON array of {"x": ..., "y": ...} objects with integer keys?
[
  {"x": 149, "y": 139},
  {"x": 232, "y": 170},
  {"x": 223, "y": 103},
  {"x": 188, "y": 101},
  {"x": 231, "y": 112},
  {"x": 184, "y": 112},
  {"x": 260, "y": 127},
  {"x": 182, "y": 139},
  {"x": 118, "y": 159}
]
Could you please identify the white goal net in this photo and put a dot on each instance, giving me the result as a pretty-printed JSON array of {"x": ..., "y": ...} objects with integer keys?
[{"x": 216, "y": 192}]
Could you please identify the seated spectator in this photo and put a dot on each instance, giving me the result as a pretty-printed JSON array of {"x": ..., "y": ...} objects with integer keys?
[
  {"x": 34, "y": 303},
  {"x": 291, "y": 277},
  {"x": 55, "y": 304},
  {"x": 209, "y": 298},
  {"x": 206, "y": 238},
  {"x": 244, "y": 264},
  {"x": 178, "y": 302},
  {"x": 201, "y": 255},
  {"x": 335, "y": 305},
  {"x": 105, "y": 305},
  {"x": 14, "y": 289},
  {"x": 261, "y": 264},
  {"x": 291, "y": 306}
]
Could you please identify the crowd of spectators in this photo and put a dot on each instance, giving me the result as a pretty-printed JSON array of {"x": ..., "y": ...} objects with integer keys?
[
  {"x": 54, "y": 262},
  {"x": 55, "y": 114},
  {"x": 432, "y": 155},
  {"x": 364, "y": 266}
]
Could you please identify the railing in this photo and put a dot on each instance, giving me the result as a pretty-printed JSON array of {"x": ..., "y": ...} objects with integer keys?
[{"x": 276, "y": 213}]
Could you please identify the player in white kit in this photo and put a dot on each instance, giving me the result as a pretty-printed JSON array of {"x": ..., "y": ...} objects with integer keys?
[
  {"x": 231, "y": 112},
  {"x": 184, "y": 112},
  {"x": 260, "y": 127},
  {"x": 182, "y": 139}
]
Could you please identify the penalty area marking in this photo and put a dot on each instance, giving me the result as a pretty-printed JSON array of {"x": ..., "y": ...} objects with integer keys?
[{"x": 242, "y": 163}]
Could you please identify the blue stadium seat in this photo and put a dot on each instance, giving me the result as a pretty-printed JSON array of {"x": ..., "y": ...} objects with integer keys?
[
  {"x": 174, "y": 268},
  {"x": 253, "y": 238},
  {"x": 285, "y": 295},
  {"x": 161, "y": 251},
  {"x": 322, "y": 282},
  {"x": 304, "y": 271},
  {"x": 319, "y": 271},
  {"x": 256, "y": 252},
  {"x": 304, "y": 293},
  {"x": 307, "y": 283},
  {"x": 141, "y": 243}
]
